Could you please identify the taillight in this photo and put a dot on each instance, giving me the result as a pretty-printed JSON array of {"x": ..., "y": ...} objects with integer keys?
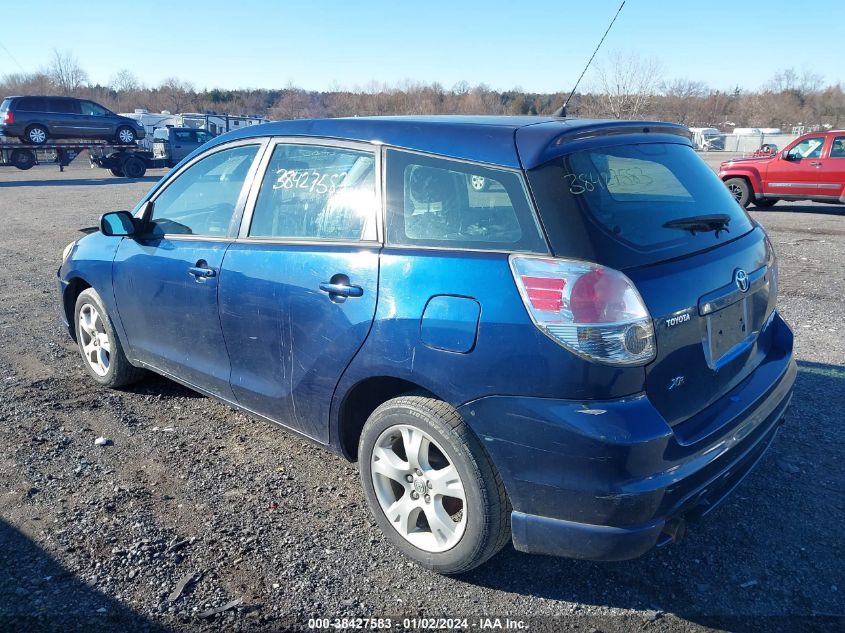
[
  {"x": 589, "y": 309},
  {"x": 9, "y": 117}
]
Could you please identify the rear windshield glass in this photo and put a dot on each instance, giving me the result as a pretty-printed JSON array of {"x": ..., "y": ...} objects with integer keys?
[
  {"x": 631, "y": 205},
  {"x": 161, "y": 134},
  {"x": 5, "y": 105}
]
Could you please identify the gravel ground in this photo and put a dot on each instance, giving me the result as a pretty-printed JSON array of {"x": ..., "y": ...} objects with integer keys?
[{"x": 196, "y": 517}]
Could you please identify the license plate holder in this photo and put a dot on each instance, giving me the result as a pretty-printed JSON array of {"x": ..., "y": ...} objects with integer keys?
[{"x": 726, "y": 329}]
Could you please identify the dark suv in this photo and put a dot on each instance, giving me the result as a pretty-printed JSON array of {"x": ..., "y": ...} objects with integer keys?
[
  {"x": 582, "y": 355},
  {"x": 36, "y": 119}
]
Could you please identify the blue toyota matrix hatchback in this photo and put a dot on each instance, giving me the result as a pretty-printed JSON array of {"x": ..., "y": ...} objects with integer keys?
[{"x": 557, "y": 331}]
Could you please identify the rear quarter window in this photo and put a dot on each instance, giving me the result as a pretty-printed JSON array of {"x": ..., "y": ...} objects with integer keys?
[
  {"x": 439, "y": 202},
  {"x": 32, "y": 104},
  {"x": 612, "y": 204}
]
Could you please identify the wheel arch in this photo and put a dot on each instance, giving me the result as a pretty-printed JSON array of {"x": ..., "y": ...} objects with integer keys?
[
  {"x": 75, "y": 287},
  {"x": 753, "y": 179},
  {"x": 360, "y": 400}
]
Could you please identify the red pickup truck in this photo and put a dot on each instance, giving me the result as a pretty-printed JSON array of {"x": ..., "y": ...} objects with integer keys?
[{"x": 812, "y": 167}]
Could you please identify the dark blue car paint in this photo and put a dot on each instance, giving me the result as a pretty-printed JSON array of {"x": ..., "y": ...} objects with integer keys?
[
  {"x": 596, "y": 459},
  {"x": 288, "y": 341},
  {"x": 450, "y": 323},
  {"x": 170, "y": 316},
  {"x": 592, "y": 465}
]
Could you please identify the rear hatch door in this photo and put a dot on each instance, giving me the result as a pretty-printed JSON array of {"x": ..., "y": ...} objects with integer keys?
[{"x": 657, "y": 212}]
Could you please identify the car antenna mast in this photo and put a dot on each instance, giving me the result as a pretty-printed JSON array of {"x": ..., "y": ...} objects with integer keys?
[{"x": 561, "y": 111}]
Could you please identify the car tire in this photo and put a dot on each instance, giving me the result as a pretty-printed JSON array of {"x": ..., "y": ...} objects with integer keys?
[
  {"x": 35, "y": 135},
  {"x": 449, "y": 459},
  {"x": 765, "y": 203},
  {"x": 134, "y": 167},
  {"x": 125, "y": 135},
  {"x": 117, "y": 172},
  {"x": 22, "y": 158},
  {"x": 740, "y": 190},
  {"x": 102, "y": 352}
]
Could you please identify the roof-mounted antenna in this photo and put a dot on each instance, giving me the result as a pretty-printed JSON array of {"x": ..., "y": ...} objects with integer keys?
[{"x": 561, "y": 111}]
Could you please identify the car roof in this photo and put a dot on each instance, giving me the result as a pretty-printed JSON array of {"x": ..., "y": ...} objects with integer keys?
[{"x": 506, "y": 141}]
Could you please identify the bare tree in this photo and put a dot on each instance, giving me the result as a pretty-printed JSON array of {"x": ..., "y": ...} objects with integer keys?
[
  {"x": 124, "y": 85},
  {"x": 627, "y": 83},
  {"x": 296, "y": 104},
  {"x": 27, "y": 83},
  {"x": 124, "y": 81},
  {"x": 788, "y": 80},
  {"x": 683, "y": 100},
  {"x": 176, "y": 94},
  {"x": 66, "y": 73}
]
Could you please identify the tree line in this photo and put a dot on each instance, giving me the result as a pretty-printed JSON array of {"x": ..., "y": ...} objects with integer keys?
[{"x": 622, "y": 85}]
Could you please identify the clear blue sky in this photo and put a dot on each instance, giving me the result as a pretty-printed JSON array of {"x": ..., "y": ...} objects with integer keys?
[{"x": 540, "y": 46}]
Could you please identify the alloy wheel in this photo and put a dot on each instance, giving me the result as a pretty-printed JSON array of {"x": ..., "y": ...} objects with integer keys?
[
  {"x": 95, "y": 343},
  {"x": 736, "y": 192},
  {"x": 418, "y": 488}
]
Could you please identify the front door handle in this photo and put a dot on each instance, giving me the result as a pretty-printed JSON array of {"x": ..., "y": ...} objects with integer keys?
[
  {"x": 816, "y": 164},
  {"x": 342, "y": 290},
  {"x": 198, "y": 271}
]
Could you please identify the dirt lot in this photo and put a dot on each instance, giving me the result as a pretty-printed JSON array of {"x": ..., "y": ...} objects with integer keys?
[{"x": 194, "y": 506}]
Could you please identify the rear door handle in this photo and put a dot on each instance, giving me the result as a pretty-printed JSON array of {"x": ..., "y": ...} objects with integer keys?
[
  {"x": 198, "y": 271},
  {"x": 342, "y": 290}
]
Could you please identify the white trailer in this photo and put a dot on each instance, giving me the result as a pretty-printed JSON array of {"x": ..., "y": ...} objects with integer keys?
[
  {"x": 707, "y": 138},
  {"x": 214, "y": 123}
]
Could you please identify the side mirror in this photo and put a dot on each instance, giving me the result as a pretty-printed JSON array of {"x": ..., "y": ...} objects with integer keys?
[
  {"x": 117, "y": 223},
  {"x": 785, "y": 155}
]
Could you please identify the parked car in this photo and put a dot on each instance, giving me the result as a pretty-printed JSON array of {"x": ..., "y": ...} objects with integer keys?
[
  {"x": 580, "y": 358},
  {"x": 172, "y": 144},
  {"x": 812, "y": 167},
  {"x": 35, "y": 120}
]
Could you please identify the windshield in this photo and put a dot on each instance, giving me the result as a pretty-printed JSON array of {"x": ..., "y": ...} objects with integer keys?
[{"x": 630, "y": 205}]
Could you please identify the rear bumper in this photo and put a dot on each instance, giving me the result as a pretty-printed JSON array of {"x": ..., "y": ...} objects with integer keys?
[{"x": 610, "y": 480}]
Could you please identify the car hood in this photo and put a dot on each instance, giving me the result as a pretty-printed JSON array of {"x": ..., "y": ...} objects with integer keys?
[{"x": 750, "y": 160}]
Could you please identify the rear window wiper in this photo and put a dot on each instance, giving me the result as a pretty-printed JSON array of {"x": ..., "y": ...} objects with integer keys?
[{"x": 717, "y": 222}]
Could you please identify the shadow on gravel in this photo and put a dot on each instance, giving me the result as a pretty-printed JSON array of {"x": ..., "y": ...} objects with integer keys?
[
  {"x": 38, "y": 594},
  {"x": 764, "y": 561},
  {"x": 78, "y": 182}
]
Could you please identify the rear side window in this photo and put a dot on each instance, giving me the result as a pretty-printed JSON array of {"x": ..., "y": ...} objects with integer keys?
[
  {"x": 435, "y": 201},
  {"x": 312, "y": 192},
  {"x": 161, "y": 134},
  {"x": 63, "y": 106},
  {"x": 32, "y": 104},
  {"x": 837, "y": 150},
  {"x": 202, "y": 199},
  {"x": 5, "y": 105},
  {"x": 621, "y": 205}
]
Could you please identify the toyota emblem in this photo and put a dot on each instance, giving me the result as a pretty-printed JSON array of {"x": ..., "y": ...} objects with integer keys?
[{"x": 741, "y": 279}]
